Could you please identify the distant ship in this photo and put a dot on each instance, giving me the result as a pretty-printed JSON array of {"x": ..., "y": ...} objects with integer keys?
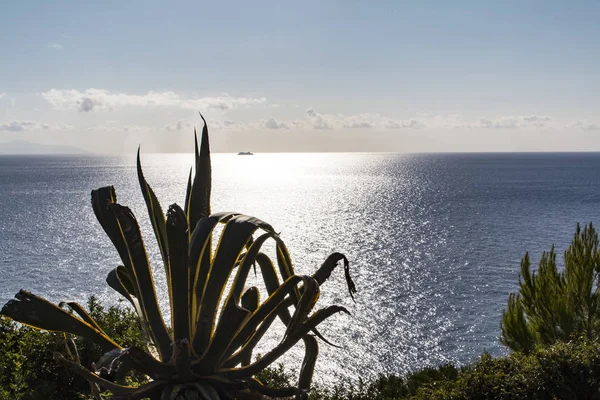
[{"x": 245, "y": 153}]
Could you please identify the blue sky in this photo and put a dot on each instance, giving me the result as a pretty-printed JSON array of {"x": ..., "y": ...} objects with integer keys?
[{"x": 303, "y": 76}]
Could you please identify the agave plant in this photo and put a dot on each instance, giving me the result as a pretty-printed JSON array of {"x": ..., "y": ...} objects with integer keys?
[{"x": 206, "y": 352}]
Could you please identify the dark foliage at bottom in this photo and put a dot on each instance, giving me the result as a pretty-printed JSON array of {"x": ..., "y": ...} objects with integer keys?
[
  {"x": 561, "y": 371},
  {"x": 28, "y": 370}
]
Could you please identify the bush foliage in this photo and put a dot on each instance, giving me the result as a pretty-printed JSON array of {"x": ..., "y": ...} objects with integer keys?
[
  {"x": 553, "y": 306},
  {"x": 28, "y": 369},
  {"x": 560, "y": 371}
]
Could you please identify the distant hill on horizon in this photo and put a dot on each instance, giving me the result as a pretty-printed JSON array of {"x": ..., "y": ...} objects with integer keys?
[{"x": 23, "y": 147}]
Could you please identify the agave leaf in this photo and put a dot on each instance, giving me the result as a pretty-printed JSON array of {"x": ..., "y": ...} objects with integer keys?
[
  {"x": 188, "y": 192},
  {"x": 231, "y": 319},
  {"x": 149, "y": 365},
  {"x": 92, "y": 377},
  {"x": 109, "y": 361},
  {"x": 232, "y": 315},
  {"x": 269, "y": 274},
  {"x": 285, "y": 345},
  {"x": 138, "y": 267},
  {"x": 195, "y": 391},
  {"x": 199, "y": 201},
  {"x": 244, "y": 355},
  {"x": 79, "y": 310},
  {"x": 71, "y": 347},
  {"x": 311, "y": 351},
  {"x": 271, "y": 280},
  {"x": 310, "y": 295},
  {"x": 284, "y": 262},
  {"x": 224, "y": 387},
  {"x": 119, "y": 280},
  {"x": 251, "y": 299},
  {"x": 285, "y": 267},
  {"x": 249, "y": 259},
  {"x": 121, "y": 227},
  {"x": 152, "y": 390},
  {"x": 102, "y": 198},
  {"x": 234, "y": 238},
  {"x": 255, "y": 384},
  {"x": 36, "y": 312},
  {"x": 177, "y": 233},
  {"x": 322, "y": 274},
  {"x": 199, "y": 258},
  {"x": 157, "y": 217},
  {"x": 181, "y": 360},
  {"x": 324, "y": 271},
  {"x": 274, "y": 303}
]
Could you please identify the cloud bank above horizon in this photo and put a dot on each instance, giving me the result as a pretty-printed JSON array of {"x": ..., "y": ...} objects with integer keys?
[{"x": 382, "y": 77}]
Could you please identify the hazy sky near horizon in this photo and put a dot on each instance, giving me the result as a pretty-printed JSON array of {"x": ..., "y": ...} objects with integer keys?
[{"x": 325, "y": 75}]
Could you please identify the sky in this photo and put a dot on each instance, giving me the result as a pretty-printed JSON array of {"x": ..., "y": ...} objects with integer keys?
[{"x": 279, "y": 76}]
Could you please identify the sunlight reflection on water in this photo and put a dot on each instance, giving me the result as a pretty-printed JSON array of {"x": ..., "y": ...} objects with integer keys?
[{"x": 421, "y": 233}]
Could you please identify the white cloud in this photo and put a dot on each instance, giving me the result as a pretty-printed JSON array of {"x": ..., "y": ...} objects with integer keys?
[
  {"x": 584, "y": 124},
  {"x": 501, "y": 123},
  {"x": 103, "y": 100},
  {"x": 56, "y": 46},
  {"x": 137, "y": 128},
  {"x": 364, "y": 121},
  {"x": 407, "y": 123},
  {"x": 319, "y": 121},
  {"x": 224, "y": 123},
  {"x": 179, "y": 126},
  {"x": 457, "y": 121},
  {"x": 2, "y": 95},
  {"x": 113, "y": 126},
  {"x": 272, "y": 123},
  {"x": 513, "y": 122},
  {"x": 358, "y": 121},
  {"x": 184, "y": 125},
  {"x": 536, "y": 118},
  {"x": 24, "y": 125}
]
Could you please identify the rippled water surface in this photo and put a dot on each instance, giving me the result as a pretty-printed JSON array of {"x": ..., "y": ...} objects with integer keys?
[{"x": 434, "y": 241}]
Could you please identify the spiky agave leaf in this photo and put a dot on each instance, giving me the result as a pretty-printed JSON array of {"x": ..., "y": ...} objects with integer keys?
[
  {"x": 199, "y": 198},
  {"x": 236, "y": 234},
  {"x": 177, "y": 232},
  {"x": 92, "y": 377},
  {"x": 311, "y": 351},
  {"x": 119, "y": 280},
  {"x": 273, "y": 355},
  {"x": 156, "y": 215},
  {"x": 120, "y": 225},
  {"x": 200, "y": 259},
  {"x": 36, "y": 312}
]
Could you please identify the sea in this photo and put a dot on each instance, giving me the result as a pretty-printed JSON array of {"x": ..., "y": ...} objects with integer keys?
[{"x": 434, "y": 240}]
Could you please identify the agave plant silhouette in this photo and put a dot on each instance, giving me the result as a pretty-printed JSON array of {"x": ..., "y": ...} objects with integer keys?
[{"x": 215, "y": 326}]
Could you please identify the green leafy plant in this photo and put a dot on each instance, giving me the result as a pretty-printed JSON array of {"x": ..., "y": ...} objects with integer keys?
[
  {"x": 206, "y": 351},
  {"x": 28, "y": 370},
  {"x": 553, "y": 306}
]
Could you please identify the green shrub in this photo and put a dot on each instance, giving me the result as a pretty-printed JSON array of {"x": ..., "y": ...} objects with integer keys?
[
  {"x": 553, "y": 306},
  {"x": 28, "y": 370},
  {"x": 561, "y": 371}
]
